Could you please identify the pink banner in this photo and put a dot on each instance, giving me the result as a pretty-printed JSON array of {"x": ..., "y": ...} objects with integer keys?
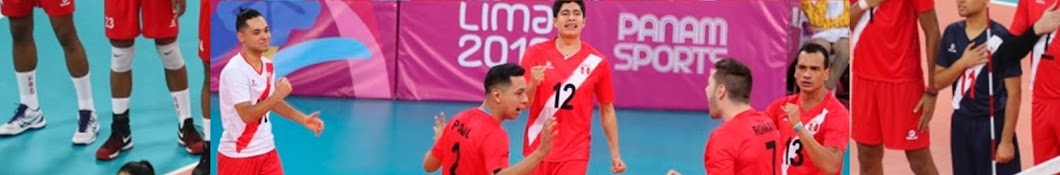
[
  {"x": 325, "y": 48},
  {"x": 661, "y": 51}
]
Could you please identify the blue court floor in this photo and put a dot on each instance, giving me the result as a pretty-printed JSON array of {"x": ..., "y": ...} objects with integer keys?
[
  {"x": 391, "y": 137},
  {"x": 49, "y": 151}
]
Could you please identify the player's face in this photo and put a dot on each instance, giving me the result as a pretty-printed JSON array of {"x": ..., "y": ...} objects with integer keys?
[
  {"x": 513, "y": 98},
  {"x": 256, "y": 35},
  {"x": 969, "y": 7},
  {"x": 810, "y": 73},
  {"x": 712, "y": 102},
  {"x": 570, "y": 20}
]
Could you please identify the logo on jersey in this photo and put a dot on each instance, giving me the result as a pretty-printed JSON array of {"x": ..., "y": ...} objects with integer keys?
[
  {"x": 64, "y": 3},
  {"x": 912, "y": 135},
  {"x": 952, "y": 49}
]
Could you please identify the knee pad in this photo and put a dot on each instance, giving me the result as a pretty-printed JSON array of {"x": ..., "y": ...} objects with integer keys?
[
  {"x": 121, "y": 59},
  {"x": 171, "y": 58}
]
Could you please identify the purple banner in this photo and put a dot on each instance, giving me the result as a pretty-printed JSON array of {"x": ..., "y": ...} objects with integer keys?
[
  {"x": 325, "y": 48},
  {"x": 661, "y": 51}
]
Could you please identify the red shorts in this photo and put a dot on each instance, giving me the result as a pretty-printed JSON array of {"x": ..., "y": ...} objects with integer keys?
[
  {"x": 268, "y": 163},
  {"x": 561, "y": 168},
  {"x": 884, "y": 114},
  {"x": 204, "y": 31},
  {"x": 20, "y": 8},
  {"x": 122, "y": 18},
  {"x": 1045, "y": 128}
]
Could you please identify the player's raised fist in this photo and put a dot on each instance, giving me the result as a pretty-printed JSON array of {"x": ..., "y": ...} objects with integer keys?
[
  {"x": 283, "y": 88},
  {"x": 538, "y": 73}
]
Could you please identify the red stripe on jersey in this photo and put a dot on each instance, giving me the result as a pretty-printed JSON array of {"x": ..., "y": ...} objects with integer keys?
[{"x": 252, "y": 128}]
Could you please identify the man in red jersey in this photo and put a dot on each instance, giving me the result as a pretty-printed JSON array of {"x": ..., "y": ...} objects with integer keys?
[
  {"x": 474, "y": 141},
  {"x": 893, "y": 107},
  {"x": 747, "y": 141},
  {"x": 1045, "y": 90},
  {"x": 566, "y": 74},
  {"x": 814, "y": 125}
]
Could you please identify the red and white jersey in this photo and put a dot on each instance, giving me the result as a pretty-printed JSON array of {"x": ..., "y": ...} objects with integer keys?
[
  {"x": 828, "y": 122},
  {"x": 567, "y": 94},
  {"x": 1027, "y": 13},
  {"x": 240, "y": 83}
]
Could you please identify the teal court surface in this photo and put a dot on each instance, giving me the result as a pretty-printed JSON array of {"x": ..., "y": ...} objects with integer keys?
[
  {"x": 49, "y": 151},
  {"x": 390, "y": 137}
]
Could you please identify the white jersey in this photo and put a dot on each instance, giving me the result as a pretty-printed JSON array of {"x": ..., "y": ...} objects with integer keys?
[{"x": 240, "y": 83}]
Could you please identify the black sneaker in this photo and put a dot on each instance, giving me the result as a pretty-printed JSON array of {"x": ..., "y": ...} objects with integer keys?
[
  {"x": 190, "y": 138},
  {"x": 120, "y": 138},
  {"x": 204, "y": 163}
]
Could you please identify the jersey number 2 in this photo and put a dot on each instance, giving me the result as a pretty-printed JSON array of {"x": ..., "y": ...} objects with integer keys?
[{"x": 456, "y": 150}]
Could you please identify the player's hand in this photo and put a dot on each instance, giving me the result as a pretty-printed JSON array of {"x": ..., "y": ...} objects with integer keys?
[
  {"x": 439, "y": 125},
  {"x": 1049, "y": 21},
  {"x": 673, "y": 172},
  {"x": 283, "y": 88},
  {"x": 617, "y": 165},
  {"x": 927, "y": 106},
  {"x": 538, "y": 74},
  {"x": 550, "y": 132},
  {"x": 314, "y": 123},
  {"x": 793, "y": 113},
  {"x": 179, "y": 6},
  {"x": 1005, "y": 152},
  {"x": 973, "y": 56}
]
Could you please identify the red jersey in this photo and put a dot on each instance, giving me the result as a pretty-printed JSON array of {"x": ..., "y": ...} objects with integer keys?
[
  {"x": 889, "y": 46},
  {"x": 566, "y": 93},
  {"x": 746, "y": 144},
  {"x": 473, "y": 143},
  {"x": 1043, "y": 62},
  {"x": 828, "y": 122}
]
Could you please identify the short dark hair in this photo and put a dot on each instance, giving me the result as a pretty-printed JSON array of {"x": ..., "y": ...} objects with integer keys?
[
  {"x": 501, "y": 75},
  {"x": 816, "y": 48},
  {"x": 559, "y": 3},
  {"x": 243, "y": 15},
  {"x": 736, "y": 78},
  {"x": 142, "y": 167}
]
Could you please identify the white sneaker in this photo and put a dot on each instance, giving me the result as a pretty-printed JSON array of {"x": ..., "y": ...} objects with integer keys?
[
  {"x": 23, "y": 120},
  {"x": 87, "y": 128}
]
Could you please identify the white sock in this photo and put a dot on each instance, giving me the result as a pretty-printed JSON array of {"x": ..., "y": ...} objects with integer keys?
[
  {"x": 183, "y": 105},
  {"x": 206, "y": 129},
  {"x": 119, "y": 105},
  {"x": 27, "y": 88},
  {"x": 83, "y": 86}
]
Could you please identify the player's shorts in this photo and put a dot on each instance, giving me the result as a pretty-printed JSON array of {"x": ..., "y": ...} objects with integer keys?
[
  {"x": 268, "y": 163},
  {"x": 970, "y": 149},
  {"x": 122, "y": 19},
  {"x": 21, "y": 8},
  {"x": 1045, "y": 128},
  {"x": 561, "y": 168},
  {"x": 883, "y": 112},
  {"x": 204, "y": 32}
]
